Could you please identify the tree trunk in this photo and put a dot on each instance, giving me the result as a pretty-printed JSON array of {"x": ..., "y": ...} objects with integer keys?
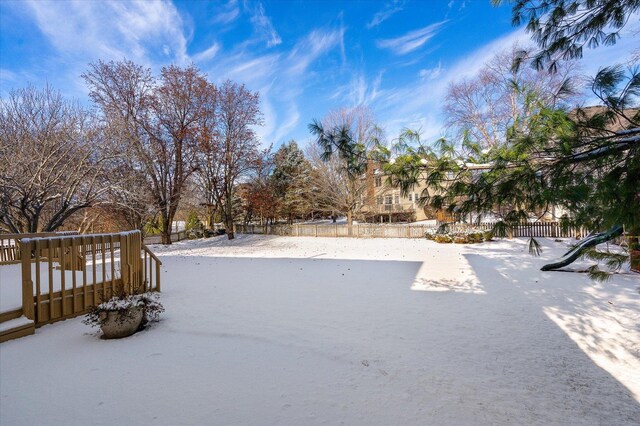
[
  {"x": 228, "y": 218},
  {"x": 166, "y": 234},
  {"x": 229, "y": 226}
]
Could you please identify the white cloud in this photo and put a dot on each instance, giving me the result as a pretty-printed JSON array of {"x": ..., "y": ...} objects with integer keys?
[
  {"x": 431, "y": 73},
  {"x": 207, "y": 54},
  {"x": 86, "y": 31},
  {"x": 263, "y": 26},
  {"x": 317, "y": 43},
  {"x": 281, "y": 78},
  {"x": 387, "y": 12},
  {"x": 227, "y": 13},
  {"x": 359, "y": 91},
  {"x": 410, "y": 41},
  {"x": 7, "y": 76},
  {"x": 285, "y": 127},
  {"x": 255, "y": 71},
  {"x": 269, "y": 115}
]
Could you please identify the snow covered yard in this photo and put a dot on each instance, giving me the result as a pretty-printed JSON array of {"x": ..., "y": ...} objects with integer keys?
[{"x": 276, "y": 330}]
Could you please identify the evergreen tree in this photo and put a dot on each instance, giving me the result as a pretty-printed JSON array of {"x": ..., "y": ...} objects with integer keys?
[
  {"x": 291, "y": 179},
  {"x": 587, "y": 161},
  {"x": 562, "y": 28}
]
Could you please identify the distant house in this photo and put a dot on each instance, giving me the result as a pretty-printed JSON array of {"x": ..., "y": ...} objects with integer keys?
[{"x": 382, "y": 203}]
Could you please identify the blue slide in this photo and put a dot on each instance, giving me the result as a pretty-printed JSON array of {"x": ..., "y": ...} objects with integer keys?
[{"x": 575, "y": 252}]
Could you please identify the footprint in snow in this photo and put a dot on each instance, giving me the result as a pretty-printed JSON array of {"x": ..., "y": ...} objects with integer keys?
[{"x": 365, "y": 362}]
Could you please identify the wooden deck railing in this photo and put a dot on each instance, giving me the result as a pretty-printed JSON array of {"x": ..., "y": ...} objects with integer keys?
[
  {"x": 10, "y": 247},
  {"x": 151, "y": 265},
  {"x": 63, "y": 276}
]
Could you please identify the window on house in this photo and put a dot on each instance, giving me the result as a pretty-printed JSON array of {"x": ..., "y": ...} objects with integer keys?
[
  {"x": 388, "y": 199},
  {"x": 397, "y": 199},
  {"x": 379, "y": 200},
  {"x": 410, "y": 197},
  {"x": 378, "y": 181}
]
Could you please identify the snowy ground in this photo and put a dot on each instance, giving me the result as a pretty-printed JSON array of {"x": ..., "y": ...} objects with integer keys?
[{"x": 275, "y": 330}]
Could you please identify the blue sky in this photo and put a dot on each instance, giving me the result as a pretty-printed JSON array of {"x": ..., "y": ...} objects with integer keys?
[{"x": 304, "y": 57}]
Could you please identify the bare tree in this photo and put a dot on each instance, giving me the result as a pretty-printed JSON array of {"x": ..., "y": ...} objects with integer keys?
[
  {"x": 49, "y": 162},
  {"x": 341, "y": 184},
  {"x": 160, "y": 120},
  {"x": 499, "y": 96},
  {"x": 360, "y": 121},
  {"x": 331, "y": 188},
  {"x": 230, "y": 149}
]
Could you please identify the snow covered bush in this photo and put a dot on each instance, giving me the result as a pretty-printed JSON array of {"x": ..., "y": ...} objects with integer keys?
[
  {"x": 468, "y": 236},
  {"x": 443, "y": 238},
  {"x": 461, "y": 238},
  {"x": 123, "y": 304},
  {"x": 430, "y": 234},
  {"x": 193, "y": 234}
]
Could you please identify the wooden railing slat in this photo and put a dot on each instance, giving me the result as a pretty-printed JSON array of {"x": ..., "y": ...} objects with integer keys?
[
  {"x": 27, "y": 284},
  {"x": 37, "y": 270},
  {"x": 85, "y": 298},
  {"x": 50, "y": 265},
  {"x": 74, "y": 267},
  {"x": 62, "y": 262},
  {"x": 95, "y": 272}
]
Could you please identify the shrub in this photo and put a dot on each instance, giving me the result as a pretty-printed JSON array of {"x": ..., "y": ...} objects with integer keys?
[
  {"x": 430, "y": 234},
  {"x": 475, "y": 237},
  {"x": 461, "y": 239},
  {"x": 469, "y": 236},
  {"x": 443, "y": 238},
  {"x": 193, "y": 222}
]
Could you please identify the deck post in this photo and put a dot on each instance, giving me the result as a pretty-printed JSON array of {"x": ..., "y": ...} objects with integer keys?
[{"x": 27, "y": 284}]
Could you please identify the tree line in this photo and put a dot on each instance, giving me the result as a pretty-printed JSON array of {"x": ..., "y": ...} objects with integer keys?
[
  {"x": 153, "y": 145},
  {"x": 150, "y": 146},
  {"x": 136, "y": 151}
]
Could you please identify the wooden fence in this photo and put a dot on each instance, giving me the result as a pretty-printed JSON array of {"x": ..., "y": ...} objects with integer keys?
[
  {"x": 534, "y": 229},
  {"x": 63, "y": 276},
  {"x": 157, "y": 239},
  {"x": 10, "y": 244},
  {"x": 539, "y": 229}
]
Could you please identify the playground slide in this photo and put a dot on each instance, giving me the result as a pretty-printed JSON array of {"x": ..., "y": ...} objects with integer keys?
[{"x": 591, "y": 241}]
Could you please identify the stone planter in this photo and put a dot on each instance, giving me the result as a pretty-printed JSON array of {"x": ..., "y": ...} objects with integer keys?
[{"x": 118, "y": 324}]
